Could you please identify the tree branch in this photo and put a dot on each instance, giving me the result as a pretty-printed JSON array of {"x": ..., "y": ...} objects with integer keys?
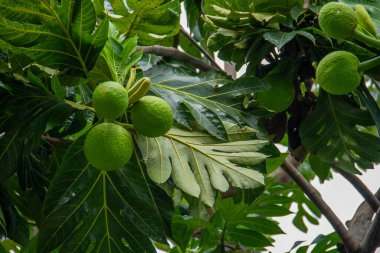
[
  {"x": 300, "y": 153},
  {"x": 178, "y": 55},
  {"x": 296, "y": 157},
  {"x": 361, "y": 224},
  {"x": 372, "y": 238},
  {"x": 201, "y": 49},
  {"x": 361, "y": 188},
  {"x": 306, "y": 4},
  {"x": 349, "y": 241},
  {"x": 230, "y": 69}
]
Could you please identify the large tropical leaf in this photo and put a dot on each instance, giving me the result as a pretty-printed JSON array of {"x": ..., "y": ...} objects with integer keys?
[
  {"x": 3, "y": 229},
  {"x": 368, "y": 101},
  {"x": 88, "y": 210},
  {"x": 198, "y": 163},
  {"x": 262, "y": 6},
  {"x": 16, "y": 226},
  {"x": 320, "y": 244},
  {"x": 245, "y": 223},
  {"x": 26, "y": 201},
  {"x": 235, "y": 222},
  {"x": 208, "y": 98},
  {"x": 27, "y": 112},
  {"x": 151, "y": 21},
  {"x": 332, "y": 132},
  {"x": 58, "y": 34}
]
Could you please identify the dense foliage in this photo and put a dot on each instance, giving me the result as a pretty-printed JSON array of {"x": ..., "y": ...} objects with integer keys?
[{"x": 210, "y": 184}]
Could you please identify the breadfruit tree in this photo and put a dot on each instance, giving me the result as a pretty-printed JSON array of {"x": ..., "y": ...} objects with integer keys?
[{"x": 123, "y": 129}]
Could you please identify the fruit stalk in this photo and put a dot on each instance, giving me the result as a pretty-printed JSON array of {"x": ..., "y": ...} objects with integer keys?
[
  {"x": 365, "y": 65},
  {"x": 369, "y": 41}
]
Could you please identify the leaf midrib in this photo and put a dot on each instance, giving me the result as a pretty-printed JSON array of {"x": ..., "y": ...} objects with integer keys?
[
  {"x": 105, "y": 209},
  {"x": 69, "y": 216},
  {"x": 125, "y": 202},
  {"x": 195, "y": 97},
  {"x": 337, "y": 124},
  {"x": 79, "y": 56},
  {"x": 15, "y": 9},
  {"x": 203, "y": 153}
]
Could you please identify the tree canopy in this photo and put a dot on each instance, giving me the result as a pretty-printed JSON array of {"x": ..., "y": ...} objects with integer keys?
[{"x": 216, "y": 181}]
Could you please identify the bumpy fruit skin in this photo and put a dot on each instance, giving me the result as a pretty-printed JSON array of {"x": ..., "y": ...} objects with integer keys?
[
  {"x": 110, "y": 100},
  {"x": 108, "y": 146},
  {"x": 337, "y": 20},
  {"x": 279, "y": 96},
  {"x": 338, "y": 73},
  {"x": 152, "y": 116}
]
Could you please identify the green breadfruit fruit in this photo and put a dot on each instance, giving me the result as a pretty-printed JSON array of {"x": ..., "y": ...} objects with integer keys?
[
  {"x": 365, "y": 20},
  {"x": 152, "y": 116},
  {"x": 279, "y": 96},
  {"x": 110, "y": 100},
  {"x": 337, "y": 20},
  {"x": 108, "y": 146},
  {"x": 338, "y": 73}
]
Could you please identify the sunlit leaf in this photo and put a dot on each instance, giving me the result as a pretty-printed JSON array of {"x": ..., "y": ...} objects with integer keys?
[{"x": 198, "y": 163}]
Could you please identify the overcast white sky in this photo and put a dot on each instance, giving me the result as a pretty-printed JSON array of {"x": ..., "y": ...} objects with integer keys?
[{"x": 341, "y": 197}]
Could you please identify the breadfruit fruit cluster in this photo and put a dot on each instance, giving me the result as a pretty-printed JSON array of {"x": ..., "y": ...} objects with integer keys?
[
  {"x": 340, "y": 72},
  {"x": 108, "y": 145},
  {"x": 339, "y": 21}
]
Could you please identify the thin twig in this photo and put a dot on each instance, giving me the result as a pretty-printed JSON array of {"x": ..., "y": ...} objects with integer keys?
[
  {"x": 349, "y": 241},
  {"x": 203, "y": 51},
  {"x": 361, "y": 188},
  {"x": 56, "y": 141},
  {"x": 177, "y": 55}
]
